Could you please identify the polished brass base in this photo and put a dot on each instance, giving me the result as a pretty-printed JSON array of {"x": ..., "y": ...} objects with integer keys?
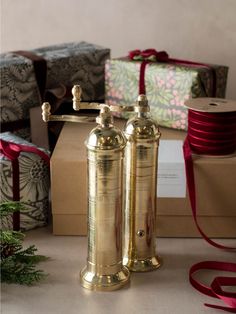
[
  {"x": 143, "y": 265},
  {"x": 96, "y": 282}
]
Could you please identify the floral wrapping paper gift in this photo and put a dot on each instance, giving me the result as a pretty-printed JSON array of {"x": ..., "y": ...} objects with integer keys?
[
  {"x": 168, "y": 85},
  {"x": 66, "y": 64},
  {"x": 34, "y": 181}
]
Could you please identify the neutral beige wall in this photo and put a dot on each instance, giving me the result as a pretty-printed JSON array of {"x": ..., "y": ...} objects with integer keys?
[{"x": 201, "y": 30}]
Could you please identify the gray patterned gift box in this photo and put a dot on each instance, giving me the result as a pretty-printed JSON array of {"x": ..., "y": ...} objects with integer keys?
[
  {"x": 67, "y": 64},
  {"x": 34, "y": 182}
]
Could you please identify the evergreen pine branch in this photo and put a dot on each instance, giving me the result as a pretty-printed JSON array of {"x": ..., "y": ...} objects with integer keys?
[
  {"x": 28, "y": 256},
  {"x": 11, "y": 237},
  {"x": 17, "y": 264},
  {"x": 7, "y": 208},
  {"x": 20, "y": 267},
  {"x": 13, "y": 271}
]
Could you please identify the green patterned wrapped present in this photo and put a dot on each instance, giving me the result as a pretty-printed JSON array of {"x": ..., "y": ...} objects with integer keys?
[{"x": 168, "y": 85}]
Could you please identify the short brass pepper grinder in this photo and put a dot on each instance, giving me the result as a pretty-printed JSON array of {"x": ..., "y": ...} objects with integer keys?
[
  {"x": 105, "y": 152},
  {"x": 141, "y": 154}
]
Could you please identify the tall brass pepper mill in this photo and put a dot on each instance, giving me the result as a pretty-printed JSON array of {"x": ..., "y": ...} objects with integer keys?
[
  {"x": 105, "y": 150},
  {"x": 141, "y": 151}
]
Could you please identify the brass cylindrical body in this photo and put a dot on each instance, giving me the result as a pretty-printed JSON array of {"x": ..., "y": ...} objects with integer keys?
[
  {"x": 105, "y": 149},
  {"x": 142, "y": 133}
]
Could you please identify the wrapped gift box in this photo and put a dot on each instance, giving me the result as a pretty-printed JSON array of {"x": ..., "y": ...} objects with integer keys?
[
  {"x": 34, "y": 182},
  {"x": 67, "y": 64},
  {"x": 215, "y": 182},
  {"x": 168, "y": 86}
]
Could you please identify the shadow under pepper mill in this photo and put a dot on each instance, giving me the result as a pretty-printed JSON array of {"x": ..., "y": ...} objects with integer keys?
[
  {"x": 141, "y": 152},
  {"x": 105, "y": 150}
]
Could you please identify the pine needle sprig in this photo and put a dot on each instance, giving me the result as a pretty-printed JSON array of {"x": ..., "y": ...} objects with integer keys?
[
  {"x": 13, "y": 271},
  {"x": 18, "y": 265},
  {"x": 7, "y": 208},
  {"x": 28, "y": 256}
]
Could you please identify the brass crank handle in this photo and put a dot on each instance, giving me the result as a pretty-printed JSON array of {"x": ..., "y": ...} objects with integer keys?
[
  {"x": 47, "y": 116},
  {"x": 78, "y": 104}
]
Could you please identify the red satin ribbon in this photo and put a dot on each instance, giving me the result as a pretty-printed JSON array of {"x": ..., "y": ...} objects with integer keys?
[
  {"x": 12, "y": 152},
  {"x": 151, "y": 55},
  {"x": 215, "y": 290},
  {"x": 210, "y": 134},
  {"x": 40, "y": 69}
]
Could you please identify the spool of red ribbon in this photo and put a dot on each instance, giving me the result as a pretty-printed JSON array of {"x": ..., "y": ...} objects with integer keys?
[{"x": 211, "y": 131}]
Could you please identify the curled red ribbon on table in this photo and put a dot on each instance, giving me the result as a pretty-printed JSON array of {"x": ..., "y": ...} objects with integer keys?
[
  {"x": 210, "y": 134},
  {"x": 12, "y": 151},
  {"x": 215, "y": 290},
  {"x": 152, "y": 55}
]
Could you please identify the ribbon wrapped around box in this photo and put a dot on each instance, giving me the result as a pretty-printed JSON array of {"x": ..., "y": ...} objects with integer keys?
[
  {"x": 24, "y": 178},
  {"x": 167, "y": 82},
  {"x": 29, "y": 77}
]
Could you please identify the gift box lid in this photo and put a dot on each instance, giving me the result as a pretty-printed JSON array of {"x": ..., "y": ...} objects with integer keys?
[{"x": 63, "y": 50}]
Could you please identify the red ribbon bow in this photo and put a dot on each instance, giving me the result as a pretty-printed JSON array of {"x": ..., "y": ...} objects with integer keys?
[
  {"x": 149, "y": 55},
  {"x": 146, "y": 56},
  {"x": 12, "y": 152}
]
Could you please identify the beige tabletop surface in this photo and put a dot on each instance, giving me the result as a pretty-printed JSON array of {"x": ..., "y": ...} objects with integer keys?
[{"x": 164, "y": 291}]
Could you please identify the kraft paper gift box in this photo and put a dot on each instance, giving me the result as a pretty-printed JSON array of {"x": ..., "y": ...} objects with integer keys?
[
  {"x": 215, "y": 187},
  {"x": 168, "y": 86},
  {"x": 26, "y": 79},
  {"x": 33, "y": 181}
]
